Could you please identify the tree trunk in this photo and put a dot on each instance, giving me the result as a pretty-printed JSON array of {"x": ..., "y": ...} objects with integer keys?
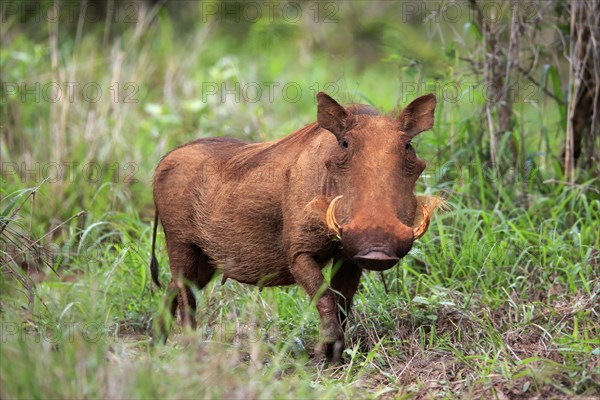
[{"x": 583, "y": 123}]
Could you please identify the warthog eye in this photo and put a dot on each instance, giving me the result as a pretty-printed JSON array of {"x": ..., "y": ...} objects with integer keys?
[
  {"x": 408, "y": 146},
  {"x": 344, "y": 143}
]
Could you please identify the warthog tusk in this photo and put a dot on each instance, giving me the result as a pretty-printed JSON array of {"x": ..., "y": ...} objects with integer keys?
[
  {"x": 332, "y": 223},
  {"x": 420, "y": 229},
  {"x": 426, "y": 205}
]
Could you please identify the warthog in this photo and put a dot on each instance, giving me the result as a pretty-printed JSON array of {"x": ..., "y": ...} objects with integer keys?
[{"x": 276, "y": 213}]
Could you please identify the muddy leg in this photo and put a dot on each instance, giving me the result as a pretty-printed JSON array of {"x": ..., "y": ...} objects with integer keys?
[
  {"x": 189, "y": 266},
  {"x": 345, "y": 281},
  {"x": 203, "y": 274},
  {"x": 307, "y": 273},
  {"x": 164, "y": 323}
]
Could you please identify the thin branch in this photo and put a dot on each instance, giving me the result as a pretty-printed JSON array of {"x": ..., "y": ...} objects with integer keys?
[{"x": 527, "y": 75}]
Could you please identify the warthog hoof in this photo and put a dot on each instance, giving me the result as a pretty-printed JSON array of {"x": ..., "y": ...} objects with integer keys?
[{"x": 331, "y": 351}]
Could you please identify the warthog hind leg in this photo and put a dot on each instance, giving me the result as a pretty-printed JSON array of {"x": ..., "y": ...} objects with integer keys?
[{"x": 189, "y": 266}]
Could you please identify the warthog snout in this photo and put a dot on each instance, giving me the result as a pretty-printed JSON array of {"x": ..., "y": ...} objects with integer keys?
[
  {"x": 377, "y": 247},
  {"x": 376, "y": 259}
]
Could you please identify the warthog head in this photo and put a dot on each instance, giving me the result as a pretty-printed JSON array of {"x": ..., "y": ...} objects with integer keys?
[{"x": 374, "y": 171}]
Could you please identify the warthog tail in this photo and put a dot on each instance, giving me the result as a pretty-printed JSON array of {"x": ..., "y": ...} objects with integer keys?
[{"x": 154, "y": 261}]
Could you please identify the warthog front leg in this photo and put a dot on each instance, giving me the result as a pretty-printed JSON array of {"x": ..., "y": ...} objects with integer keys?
[
  {"x": 307, "y": 273},
  {"x": 345, "y": 281},
  {"x": 331, "y": 344}
]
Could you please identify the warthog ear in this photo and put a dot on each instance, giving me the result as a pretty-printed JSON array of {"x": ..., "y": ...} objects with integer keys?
[
  {"x": 418, "y": 115},
  {"x": 332, "y": 116}
]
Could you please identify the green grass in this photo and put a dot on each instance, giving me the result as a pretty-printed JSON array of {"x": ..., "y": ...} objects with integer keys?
[{"x": 500, "y": 297}]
